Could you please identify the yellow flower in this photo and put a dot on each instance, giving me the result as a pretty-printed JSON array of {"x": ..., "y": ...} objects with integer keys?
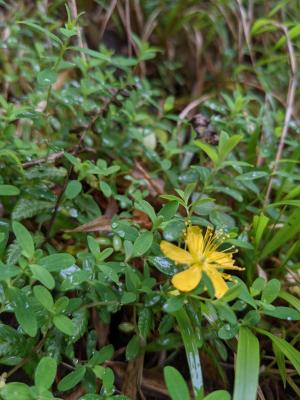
[{"x": 202, "y": 255}]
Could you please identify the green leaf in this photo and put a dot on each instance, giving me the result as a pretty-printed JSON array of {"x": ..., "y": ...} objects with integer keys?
[
  {"x": 144, "y": 322},
  {"x": 209, "y": 150},
  {"x": 142, "y": 244},
  {"x": 42, "y": 275},
  {"x": 102, "y": 355},
  {"x": 271, "y": 291},
  {"x": 106, "y": 375},
  {"x": 261, "y": 25},
  {"x": 128, "y": 297},
  {"x": 169, "y": 103},
  {"x": 132, "y": 280},
  {"x": 260, "y": 223},
  {"x": 8, "y": 271},
  {"x": 225, "y": 147},
  {"x": 45, "y": 372},
  {"x": 247, "y": 366},
  {"x": 295, "y": 192},
  {"x": 24, "y": 239},
  {"x": 176, "y": 385},
  {"x": 288, "y": 350},
  {"x": 46, "y": 77},
  {"x": 173, "y": 304},
  {"x": 108, "y": 379},
  {"x": 72, "y": 379},
  {"x": 57, "y": 262},
  {"x": 73, "y": 189},
  {"x": 243, "y": 244},
  {"x": 218, "y": 395},
  {"x": 9, "y": 190},
  {"x": 295, "y": 203},
  {"x": 290, "y": 229},
  {"x": 105, "y": 254},
  {"x": 92, "y": 53},
  {"x": 64, "y": 324},
  {"x": 190, "y": 188},
  {"x": 25, "y": 314},
  {"x": 61, "y": 304},
  {"x": 292, "y": 33},
  {"x": 146, "y": 207},
  {"x": 16, "y": 391},
  {"x": 44, "y": 297},
  {"x": 228, "y": 331},
  {"x": 251, "y": 176},
  {"x": 171, "y": 197},
  {"x": 280, "y": 362},
  {"x": 190, "y": 341},
  {"x": 26, "y": 208},
  {"x": 80, "y": 320},
  {"x": 133, "y": 348},
  {"x": 168, "y": 210},
  {"x": 257, "y": 286},
  {"x": 294, "y": 301},
  {"x": 164, "y": 265},
  {"x": 284, "y": 313},
  {"x": 225, "y": 313},
  {"x": 43, "y": 30},
  {"x": 252, "y": 318},
  {"x": 93, "y": 246},
  {"x": 231, "y": 294},
  {"x": 105, "y": 189}
]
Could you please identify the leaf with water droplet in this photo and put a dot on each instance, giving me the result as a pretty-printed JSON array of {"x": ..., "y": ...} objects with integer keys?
[
  {"x": 228, "y": 331},
  {"x": 164, "y": 265},
  {"x": 46, "y": 77},
  {"x": 284, "y": 313}
]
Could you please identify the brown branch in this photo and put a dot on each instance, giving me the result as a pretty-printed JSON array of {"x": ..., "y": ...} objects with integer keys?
[
  {"x": 289, "y": 108},
  {"x": 107, "y": 17}
]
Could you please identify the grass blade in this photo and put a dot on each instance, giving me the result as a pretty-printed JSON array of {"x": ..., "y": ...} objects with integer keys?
[
  {"x": 247, "y": 366},
  {"x": 192, "y": 353},
  {"x": 287, "y": 349}
]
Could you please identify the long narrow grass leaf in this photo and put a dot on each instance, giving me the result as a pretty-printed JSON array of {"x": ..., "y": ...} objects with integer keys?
[
  {"x": 247, "y": 366},
  {"x": 192, "y": 352},
  {"x": 288, "y": 350}
]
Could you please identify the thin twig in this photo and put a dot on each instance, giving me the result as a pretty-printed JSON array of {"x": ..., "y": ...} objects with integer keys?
[
  {"x": 57, "y": 204},
  {"x": 128, "y": 27},
  {"x": 35, "y": 350},
  {"x": 78, "y": 148},
  {"x": 106, "y": 19},
  {"x": 74, "y": 14},
  {"x": 246, "y": 23},
  {"x": 50, "y": 158},
  {"x": 289, "y": 108},
  {"x": 139, "y": 14}
]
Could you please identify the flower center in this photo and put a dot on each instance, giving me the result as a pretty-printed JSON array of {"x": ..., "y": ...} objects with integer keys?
[{"x": 201, "y": 258}]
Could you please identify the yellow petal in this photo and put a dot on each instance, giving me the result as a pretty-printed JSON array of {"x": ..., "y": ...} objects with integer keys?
[
  {"x": 175, "y": 253},
  {"x": 218, "y": 282},
  {"x": 187, "y": 280},
  {"x": 224, "y": 260},
  {"x": 194, "y": 240}
]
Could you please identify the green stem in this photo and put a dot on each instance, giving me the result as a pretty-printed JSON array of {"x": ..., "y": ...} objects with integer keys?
[{"x": 192, "y": 353}]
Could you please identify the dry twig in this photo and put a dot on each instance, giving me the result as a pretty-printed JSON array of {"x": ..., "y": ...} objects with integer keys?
[
  {"x": 74, "y": 13},
  {"x": 289, "y": 107}
]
